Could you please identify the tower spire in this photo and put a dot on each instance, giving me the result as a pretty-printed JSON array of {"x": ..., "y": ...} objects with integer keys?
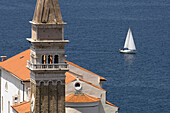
[{"x": 47, "y": 11}]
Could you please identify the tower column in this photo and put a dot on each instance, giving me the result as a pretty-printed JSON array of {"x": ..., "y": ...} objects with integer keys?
[{"x": 47, "y": 62}]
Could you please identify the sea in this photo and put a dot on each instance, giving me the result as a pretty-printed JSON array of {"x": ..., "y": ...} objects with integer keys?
[{"x": 136, "y": 83}]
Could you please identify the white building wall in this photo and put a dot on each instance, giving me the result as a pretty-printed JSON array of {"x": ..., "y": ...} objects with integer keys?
[
  {"x": 14, "y": 87},
  {"x": 93, "y": 109},
  {"x": 82, "y": 107},
  {"x": 110, "y": 109},
  {"x": 106, "y": 108},
  {"x": 27, "y": 91}
]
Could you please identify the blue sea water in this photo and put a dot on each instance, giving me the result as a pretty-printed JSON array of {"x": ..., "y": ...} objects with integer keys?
[{"x": 138, "y": 83}]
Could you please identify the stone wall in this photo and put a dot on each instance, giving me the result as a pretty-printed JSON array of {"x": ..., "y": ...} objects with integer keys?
[{"x": 49, "y": 98}]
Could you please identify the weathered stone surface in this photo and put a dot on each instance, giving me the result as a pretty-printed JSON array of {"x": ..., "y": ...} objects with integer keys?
[
  {"x": 33, "y": 92},
  {"x": 61, "y": 98},
  {"x": 47, "y": 11},
  {"x": 49, "y": 98},
  {"x": 37, "y": 99}
]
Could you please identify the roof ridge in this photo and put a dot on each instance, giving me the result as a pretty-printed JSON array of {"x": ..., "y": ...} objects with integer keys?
[{"x": 111, "y": 104}]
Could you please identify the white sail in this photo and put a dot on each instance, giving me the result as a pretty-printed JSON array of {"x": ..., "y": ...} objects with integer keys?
[
  {"x": 129, "y": 42},
  {"x": 131, "y": 45},
  {"x": 127, "y": 39}
]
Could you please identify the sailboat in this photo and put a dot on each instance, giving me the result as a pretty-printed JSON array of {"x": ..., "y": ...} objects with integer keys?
[{"x": 129, "y": 46}]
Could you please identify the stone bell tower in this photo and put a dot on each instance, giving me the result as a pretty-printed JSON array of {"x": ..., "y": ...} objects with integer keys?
[{"x": 47, "y": 62}]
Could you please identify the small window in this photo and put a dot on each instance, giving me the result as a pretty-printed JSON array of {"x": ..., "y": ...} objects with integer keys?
[
  {"x": 50, "y": 59},
  {"x": 77, "y": 86},
  {"x": 56, "y": 59},
  {"x": 16, "y": 99},
  {"x": 6, "y": 86},
  {"x": 43, "y": 59}
]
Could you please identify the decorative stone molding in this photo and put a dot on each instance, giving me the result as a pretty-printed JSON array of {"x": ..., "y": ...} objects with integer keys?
[{"x": 46, "y": 82}]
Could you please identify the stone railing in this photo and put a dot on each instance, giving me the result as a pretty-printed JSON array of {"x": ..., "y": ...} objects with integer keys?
[{"x": 58, "y": 66}]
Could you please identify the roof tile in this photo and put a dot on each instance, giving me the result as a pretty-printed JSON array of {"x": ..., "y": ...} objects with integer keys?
[
  {"x": 17, "y": 65},
  {"x": 23, "y": 107},
  {"x": 82, "y": 98}
]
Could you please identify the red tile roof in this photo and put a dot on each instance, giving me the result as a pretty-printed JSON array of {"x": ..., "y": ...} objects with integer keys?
[
  {"x": 23, "y": 107},
  {"x": 82, "y": 98},
  {"x": 101, "y": 78},
  {"x": 17, "y": 65},
  {"x": 69, "y": 78}
]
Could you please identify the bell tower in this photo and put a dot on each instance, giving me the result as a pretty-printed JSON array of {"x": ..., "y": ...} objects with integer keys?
[{"x": 47, "y": 62}]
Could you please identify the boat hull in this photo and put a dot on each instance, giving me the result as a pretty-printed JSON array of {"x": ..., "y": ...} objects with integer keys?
[{"x": 128, "y": 51}]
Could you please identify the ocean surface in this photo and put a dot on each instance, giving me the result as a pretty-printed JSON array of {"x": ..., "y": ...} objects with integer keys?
[{"x": 138, "y": 83}]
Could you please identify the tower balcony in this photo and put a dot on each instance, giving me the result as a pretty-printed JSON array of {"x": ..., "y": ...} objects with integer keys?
[{"x": 42, "y": 67}]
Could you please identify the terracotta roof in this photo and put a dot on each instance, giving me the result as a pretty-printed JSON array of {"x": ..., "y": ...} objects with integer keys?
[
  {"x": 82, "y": 98},
  {"x": 17, "y": 65},
  {"x": 111, "y": 104},
  {"x": 70, "y": 78},
  {"x": 101, "y": 78},
  {"x": 23, "y": 107}
]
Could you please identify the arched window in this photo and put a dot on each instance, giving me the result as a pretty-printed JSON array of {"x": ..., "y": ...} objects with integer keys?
[
  {"x": 43, "y": 59},
  {"x": 50, "y": 59},
  {"x": 77, "y": 85},
  {"x": 56, "y": 59},
  {"x": 6, "y": 86}
]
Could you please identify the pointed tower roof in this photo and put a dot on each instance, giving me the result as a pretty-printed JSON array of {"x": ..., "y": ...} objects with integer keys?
[{"x": 47, "y": 11}]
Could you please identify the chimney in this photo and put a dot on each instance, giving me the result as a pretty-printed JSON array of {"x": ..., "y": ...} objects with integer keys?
[{"x": 3, "y": 58}]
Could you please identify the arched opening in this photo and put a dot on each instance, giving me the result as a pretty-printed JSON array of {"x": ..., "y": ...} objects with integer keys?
[
  {"x": 56, "y": 59},
  {"x": 50, "y": 59},
  {"x": 77, "y": 85},
  {"x": 43, "y": 59}
]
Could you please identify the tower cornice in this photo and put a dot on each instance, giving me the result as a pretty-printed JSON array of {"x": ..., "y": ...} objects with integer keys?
[
  {"x": 48, "y": 24},
  {"x": 47, "y": 41}
]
